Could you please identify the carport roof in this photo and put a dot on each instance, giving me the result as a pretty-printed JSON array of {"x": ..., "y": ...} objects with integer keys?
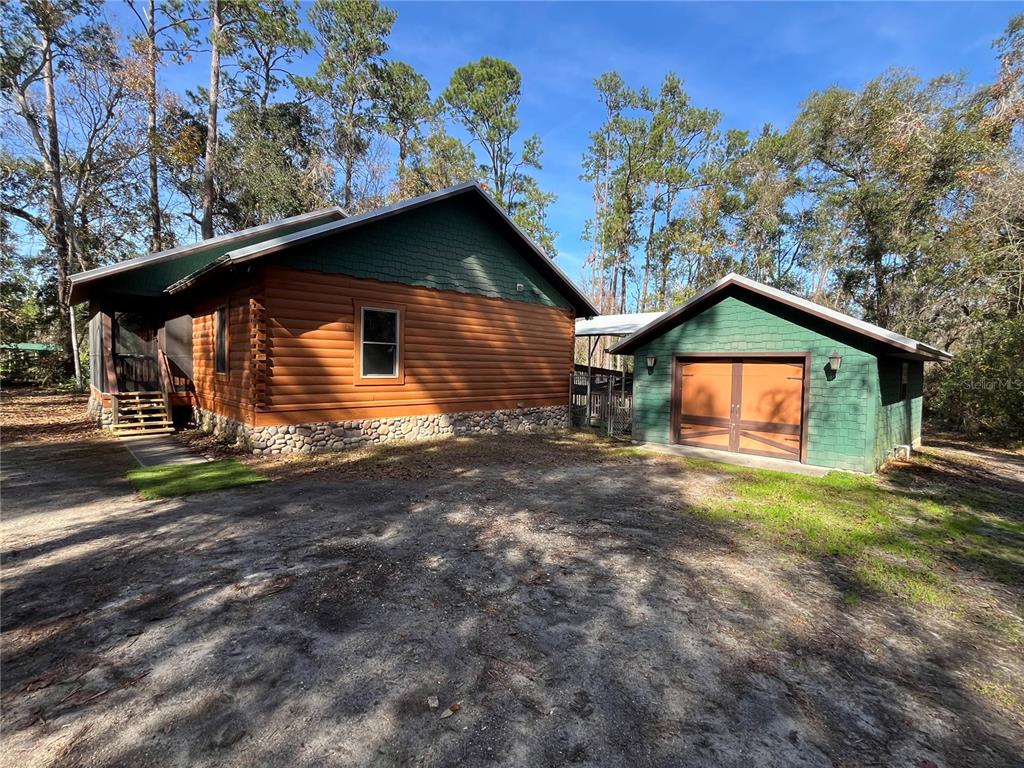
[
  {"x": 614, "y": 325},
  {"x": 735, "y": 282}
]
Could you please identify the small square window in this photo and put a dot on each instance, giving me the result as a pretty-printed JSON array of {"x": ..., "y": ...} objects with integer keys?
[
  {"x": 221, "y": 331},
  {"x": 378, "y": 353}
]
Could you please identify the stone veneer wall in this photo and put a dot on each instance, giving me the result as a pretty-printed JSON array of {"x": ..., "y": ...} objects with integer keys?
[
  {"x": 102, "y": 415},
  {"x": 336, "y": 435}
]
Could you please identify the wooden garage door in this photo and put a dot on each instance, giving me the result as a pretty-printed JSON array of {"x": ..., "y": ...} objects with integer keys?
[{"x": 744, "y": 405}]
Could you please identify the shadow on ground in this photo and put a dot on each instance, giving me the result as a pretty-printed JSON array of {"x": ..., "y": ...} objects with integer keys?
[{"x": 572, "y": 604}]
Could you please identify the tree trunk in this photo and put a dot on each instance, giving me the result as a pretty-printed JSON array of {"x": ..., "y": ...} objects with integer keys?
[
  {"x": 59, "y": 225},
  {"x": 622, "y": 299},
  {"x": 211, "y": 121},
  {"x": 156, "y": 238},
  {"x": 614, "y": 284},
  {"x": 268, "y": 74},
  {"x": 403, "y": 151},
  {"x": 648, "y": 256},
  {"x": 347, "y": 120},
  {"x": 74, "y": 347},
  {"x": 879, "y": 310}
]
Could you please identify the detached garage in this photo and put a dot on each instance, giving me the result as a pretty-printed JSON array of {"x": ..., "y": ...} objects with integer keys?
[{"x": 747, "y": 368}]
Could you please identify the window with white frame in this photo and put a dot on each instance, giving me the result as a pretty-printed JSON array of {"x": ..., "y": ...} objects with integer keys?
[{"x": 378, "y": 343}]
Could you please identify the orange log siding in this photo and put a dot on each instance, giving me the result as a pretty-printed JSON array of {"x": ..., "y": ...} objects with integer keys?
[
  {"x": 460, "y": 352},
  {"x": 103, "y": 397},
  {"x": 228, "y": 394}
]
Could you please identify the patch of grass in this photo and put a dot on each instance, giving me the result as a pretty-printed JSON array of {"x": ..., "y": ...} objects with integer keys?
[
  {"x": 181, "y": 479},
  {"x": 1008, "y": 698},
  {"x": 905, "y": 543}
]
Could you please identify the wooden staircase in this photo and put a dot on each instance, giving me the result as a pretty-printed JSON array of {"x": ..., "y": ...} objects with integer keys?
[{"x": 141, "y": 413}]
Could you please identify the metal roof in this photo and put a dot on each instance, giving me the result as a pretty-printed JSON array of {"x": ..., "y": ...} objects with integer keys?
[
  {"x": 676, "y": 316},
  {"x": 203, "y": 251},
  {"x": 273, "y": 245},
  {"x": 29, "y": 346},
  {"x": 614, "y": 325}
]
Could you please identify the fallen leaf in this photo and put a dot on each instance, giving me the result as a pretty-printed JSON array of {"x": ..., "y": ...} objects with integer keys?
[{"x": 451, "y": 710}]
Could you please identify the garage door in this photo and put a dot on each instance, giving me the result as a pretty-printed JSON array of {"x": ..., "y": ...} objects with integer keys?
[{"x": 743, "y": 405}]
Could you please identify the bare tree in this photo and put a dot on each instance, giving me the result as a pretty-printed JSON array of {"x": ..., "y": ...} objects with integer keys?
[{"x": 72, "y": 123}]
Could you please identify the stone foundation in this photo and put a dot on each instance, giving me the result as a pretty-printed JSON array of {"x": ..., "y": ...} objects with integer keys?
[
  {"x": 337, "y": 435},
  {"x": 100, "y": 414},
  {"x": 221, "y": 426}
]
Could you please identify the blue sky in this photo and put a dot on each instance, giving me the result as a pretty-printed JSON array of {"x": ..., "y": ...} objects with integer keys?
[{"x": 755, "y": 63}]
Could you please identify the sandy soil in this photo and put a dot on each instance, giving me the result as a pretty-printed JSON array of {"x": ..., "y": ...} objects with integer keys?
[{"x": 565, "y": 603}]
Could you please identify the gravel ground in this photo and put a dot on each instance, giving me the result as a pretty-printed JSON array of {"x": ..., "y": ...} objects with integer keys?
[{"x": 560, "y": 605}]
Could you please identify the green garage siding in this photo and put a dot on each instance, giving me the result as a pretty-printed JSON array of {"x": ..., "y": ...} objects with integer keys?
[
  {"x": 899, "y": 412},
  {"x": 450, "y": 245},
  {"x": 842, "y": 412}
]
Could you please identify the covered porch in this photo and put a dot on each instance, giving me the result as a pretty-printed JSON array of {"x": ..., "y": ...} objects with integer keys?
[{"x": 140, "y": 367}]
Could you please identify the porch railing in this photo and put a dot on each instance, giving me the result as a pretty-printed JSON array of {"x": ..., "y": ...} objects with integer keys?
[{"x": 137, "y": 373}]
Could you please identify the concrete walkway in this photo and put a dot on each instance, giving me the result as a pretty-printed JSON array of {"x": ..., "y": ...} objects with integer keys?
[
  {"x": 739, "y": 459},
  {"x": 160, "y": 449}
]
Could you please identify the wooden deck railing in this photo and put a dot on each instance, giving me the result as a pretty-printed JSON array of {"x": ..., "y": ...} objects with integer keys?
[{"x": 136, "y": 373}]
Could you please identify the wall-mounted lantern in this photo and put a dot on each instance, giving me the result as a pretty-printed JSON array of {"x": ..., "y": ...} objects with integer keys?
[
  {"x": 651, "y": 360},
  {"x": 834, "y": 361}
]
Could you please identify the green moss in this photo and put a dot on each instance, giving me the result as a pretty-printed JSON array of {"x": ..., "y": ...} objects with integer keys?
[{"x": 181, "y": 479}]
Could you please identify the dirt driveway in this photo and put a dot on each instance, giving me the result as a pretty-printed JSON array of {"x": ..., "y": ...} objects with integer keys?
[{"x": 563, "y": 601}]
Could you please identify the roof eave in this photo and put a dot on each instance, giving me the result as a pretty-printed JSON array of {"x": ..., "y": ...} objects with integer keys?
[
  {"x": 888, "y": 338},
  {"x": 932, "y": 353},
  {"x": 193, "y": 277},
  {"x": 80, "y": 279}
]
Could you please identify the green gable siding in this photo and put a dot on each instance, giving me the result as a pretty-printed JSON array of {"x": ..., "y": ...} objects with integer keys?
[
  {"x": 450, "y": 245},
  {"x": 841, "y": 413},
  {"x": 899, "y": 418},
  {"x": 151, "y": 279}
]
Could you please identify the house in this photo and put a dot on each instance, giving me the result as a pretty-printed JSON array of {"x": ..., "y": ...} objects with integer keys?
[
  {"x": 436, "y": 315},
  {"x": 747, "y": 368}
]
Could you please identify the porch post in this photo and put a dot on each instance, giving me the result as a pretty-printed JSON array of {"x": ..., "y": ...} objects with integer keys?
[
  {"x": 161, "y": 361},
  {"x": 591, "y": 346},
  {"x": 109, "y": 372},
  {"x": 611, "y": 407}
]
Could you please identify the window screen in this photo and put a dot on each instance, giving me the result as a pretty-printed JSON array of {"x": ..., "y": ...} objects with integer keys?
[
  {"x": 221, "y": 329},
  {"x": 97, "y": 371},
  {"x": 379, "y": 343}
]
